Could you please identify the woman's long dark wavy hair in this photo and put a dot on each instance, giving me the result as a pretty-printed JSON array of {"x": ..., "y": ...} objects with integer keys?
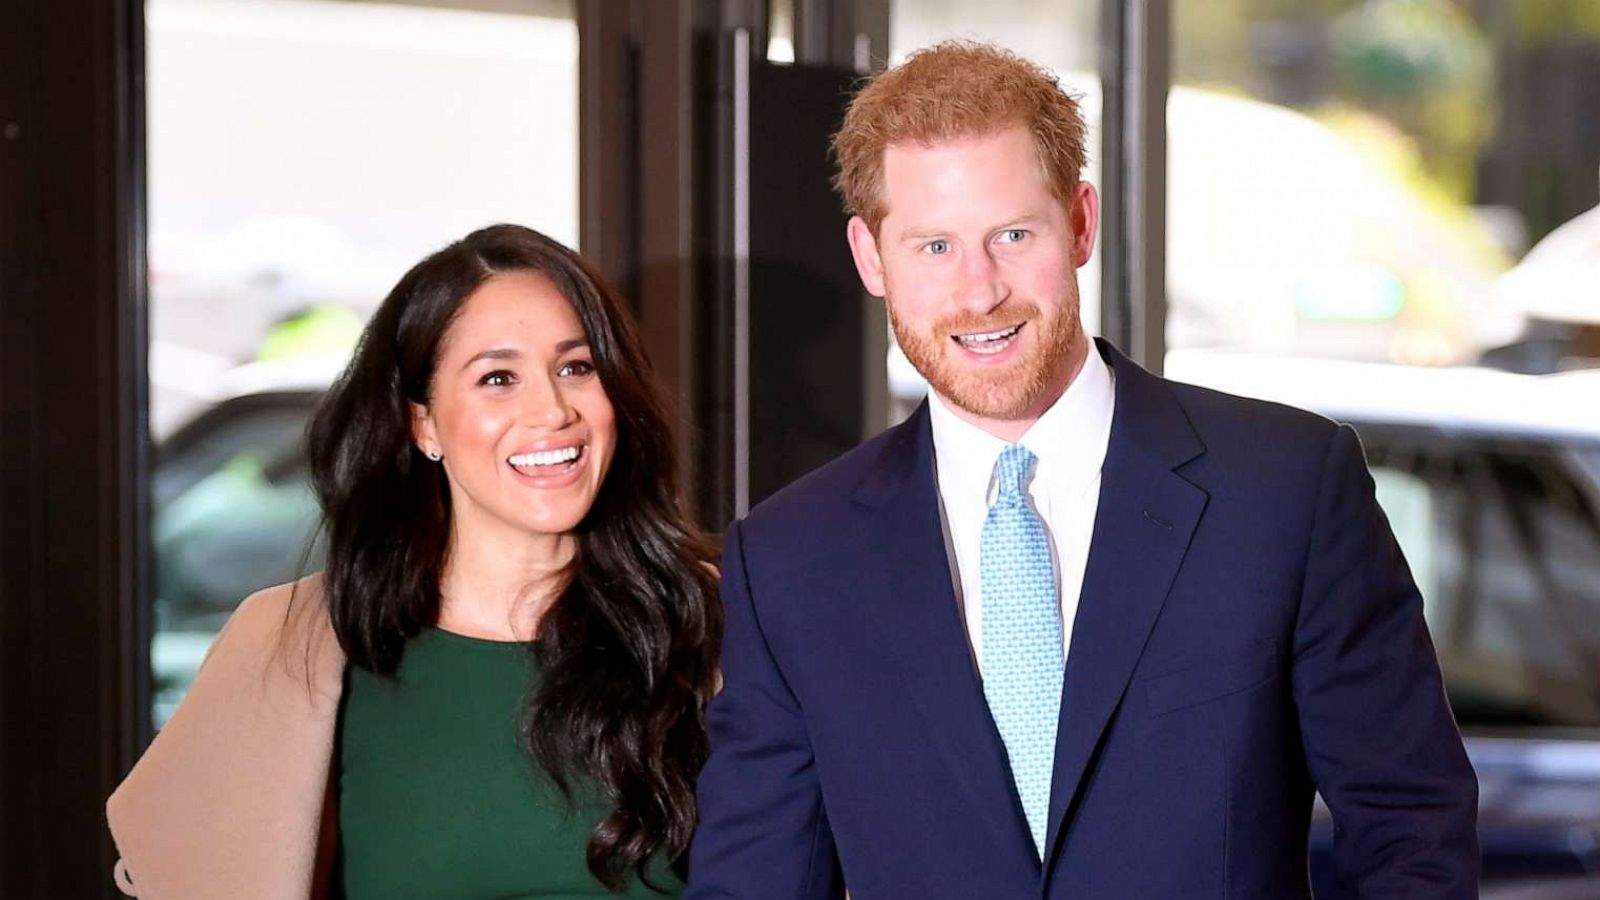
[{"x": 627, "y": 651}]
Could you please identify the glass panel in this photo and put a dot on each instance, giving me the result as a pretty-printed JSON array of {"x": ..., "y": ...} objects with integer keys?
[
  {"x": 1061, "y": 35},
  {"x": 1386, "y": 211},
  {"x": 780, "y": 25},
  {"x": 302, "y": 155},
  {"x": 1505, "y": 543},
  {"x": 1365, "y": 179}
]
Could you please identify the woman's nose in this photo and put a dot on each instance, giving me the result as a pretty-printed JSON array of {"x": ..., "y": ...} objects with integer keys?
[{"x": 548, "y": 407}]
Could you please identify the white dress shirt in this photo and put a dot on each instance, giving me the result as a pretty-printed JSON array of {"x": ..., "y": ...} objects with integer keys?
[{"x": 1070, "y": 442}]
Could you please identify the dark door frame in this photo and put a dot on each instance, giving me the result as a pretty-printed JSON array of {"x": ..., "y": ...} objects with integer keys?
[
  {"x": 73, "y": 446},
  {"x": 1135, "y": 75},
  {"x": 649, "y": 191}
]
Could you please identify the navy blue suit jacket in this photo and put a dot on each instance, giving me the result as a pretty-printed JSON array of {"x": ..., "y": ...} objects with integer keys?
[{"x": 1247, "y": 634}]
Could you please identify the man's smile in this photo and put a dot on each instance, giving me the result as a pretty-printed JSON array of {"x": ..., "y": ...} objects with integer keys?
[{"x": 988, "y": 342}]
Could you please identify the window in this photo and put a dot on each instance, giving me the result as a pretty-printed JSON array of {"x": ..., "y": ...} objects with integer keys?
[
  {"x": 1407, "y": 181},
  {"x": 1504, "y": 540},
  {"x": 302, "y": 155}
]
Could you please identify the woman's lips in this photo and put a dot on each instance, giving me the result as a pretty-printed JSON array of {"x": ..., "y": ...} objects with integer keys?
[{"x": 553, "y": 467}]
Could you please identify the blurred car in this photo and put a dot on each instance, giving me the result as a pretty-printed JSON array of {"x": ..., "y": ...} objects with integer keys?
[
  {"x": 233, "y": 511},
  {"x": 1491, "y": 481},
  {"x": 1553, "y": 289}
]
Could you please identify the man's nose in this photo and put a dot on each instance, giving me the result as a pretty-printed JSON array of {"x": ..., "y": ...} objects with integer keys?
[{"x": 982, "y": 283}]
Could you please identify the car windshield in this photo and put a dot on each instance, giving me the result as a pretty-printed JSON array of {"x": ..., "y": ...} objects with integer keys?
[
  {"x": 234, "y": 513},
  {"x": 1504, "y": 541}
]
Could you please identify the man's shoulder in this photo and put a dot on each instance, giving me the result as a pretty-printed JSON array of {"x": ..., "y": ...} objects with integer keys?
[
  {"x": 1271, "y": 446},
  {"x": 1214, "y": 412},
  {"x": 1228, "y": 426}
]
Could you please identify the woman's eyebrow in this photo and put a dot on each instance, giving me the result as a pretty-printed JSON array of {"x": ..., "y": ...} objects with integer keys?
[{"x": 497, "y": 353}]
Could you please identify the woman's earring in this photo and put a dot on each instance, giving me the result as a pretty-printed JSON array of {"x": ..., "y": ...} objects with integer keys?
[{"x": 435, "y": 455}]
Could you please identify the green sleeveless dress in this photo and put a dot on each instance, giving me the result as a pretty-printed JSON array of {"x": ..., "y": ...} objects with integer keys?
[{"x": 437, "y": 798}]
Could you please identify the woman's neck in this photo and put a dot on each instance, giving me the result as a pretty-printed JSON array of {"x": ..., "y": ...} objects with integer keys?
[{"x": 497, "y": 585}]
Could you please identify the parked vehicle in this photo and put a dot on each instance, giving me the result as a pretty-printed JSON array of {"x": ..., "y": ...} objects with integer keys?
[
  {"x": 233, "y": 512},
  {"x": 1491, "y": 481}
]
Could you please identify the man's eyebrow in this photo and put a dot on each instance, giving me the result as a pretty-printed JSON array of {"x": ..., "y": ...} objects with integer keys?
[
  {"x": 1031, "y": 218},
  {"x": 920, "y": 233}
]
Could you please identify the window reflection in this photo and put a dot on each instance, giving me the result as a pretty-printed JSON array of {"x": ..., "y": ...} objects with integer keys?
[
  {"x": 1364, "y": 178},
  {"x": 1506, "y": 545},
  {"x": 302, "y": 154},
  {"x": 1412, "y": 184}
]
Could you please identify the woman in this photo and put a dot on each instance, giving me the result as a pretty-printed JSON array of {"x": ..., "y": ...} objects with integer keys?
[{"x": 514, "y": 638}]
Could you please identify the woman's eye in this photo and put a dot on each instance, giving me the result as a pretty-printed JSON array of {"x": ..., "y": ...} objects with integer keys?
[
  {"x": 937, "y": 248},
  {"x": 497, "y": 378},
  {"x": 576, "y": 369}
]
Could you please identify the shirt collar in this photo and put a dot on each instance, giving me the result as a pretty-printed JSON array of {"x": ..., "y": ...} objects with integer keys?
[{"x": 1070, "y": 439}]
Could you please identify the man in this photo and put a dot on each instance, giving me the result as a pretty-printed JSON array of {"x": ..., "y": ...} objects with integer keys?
[{"x": 1071, "y": 630}]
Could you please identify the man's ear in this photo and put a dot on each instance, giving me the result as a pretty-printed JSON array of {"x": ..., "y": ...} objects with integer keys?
[
  {"x": 1084, "y": 215},
  {"x": 422, "y": 431},
  {"x": 864, "y": 249}
]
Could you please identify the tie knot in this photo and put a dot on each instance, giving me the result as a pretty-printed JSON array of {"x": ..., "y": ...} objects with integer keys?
[{"x": 1013, "y": 468}]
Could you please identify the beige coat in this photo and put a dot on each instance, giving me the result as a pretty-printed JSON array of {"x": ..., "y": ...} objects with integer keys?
[{"x": 233, "y": 797}]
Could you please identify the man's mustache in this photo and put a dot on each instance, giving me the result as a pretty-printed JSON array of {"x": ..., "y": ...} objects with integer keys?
[{"x": 1004, "y": 316}]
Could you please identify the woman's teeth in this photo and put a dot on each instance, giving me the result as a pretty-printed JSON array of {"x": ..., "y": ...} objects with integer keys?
[
  {"x": 989, "y": 341},
  {"x": 544, "y": 458}
]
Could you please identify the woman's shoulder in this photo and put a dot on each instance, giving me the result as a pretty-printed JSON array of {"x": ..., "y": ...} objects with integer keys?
[
  {"x": 286, "y": 622},
  {"x": 278, "y": 604},
  {"x": 278, "y": 611},
  {"x": 227, "y": 799}
]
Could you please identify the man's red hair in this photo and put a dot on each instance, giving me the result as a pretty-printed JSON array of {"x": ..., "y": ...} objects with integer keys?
[{"x": 956, "y": 89}]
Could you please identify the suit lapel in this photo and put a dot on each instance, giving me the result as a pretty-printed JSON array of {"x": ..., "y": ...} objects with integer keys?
[
  {"x": 914, "y": 605},
  {"x": 1146, "y": 517}
]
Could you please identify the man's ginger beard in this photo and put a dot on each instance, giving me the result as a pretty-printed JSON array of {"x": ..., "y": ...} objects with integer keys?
[{"x": 1007, "y": 392}]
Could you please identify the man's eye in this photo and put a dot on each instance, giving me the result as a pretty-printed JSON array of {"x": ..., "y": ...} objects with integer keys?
[
  {"x": 576, "y": 369},
  {"x": 497, "y": 378},
  {"x": 937, "y": 248},
  {"x": 1012, "y": 235}
]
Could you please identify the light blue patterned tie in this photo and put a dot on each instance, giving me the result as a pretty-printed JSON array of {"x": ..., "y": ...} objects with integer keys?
[{"x": 1022, "y": 655}]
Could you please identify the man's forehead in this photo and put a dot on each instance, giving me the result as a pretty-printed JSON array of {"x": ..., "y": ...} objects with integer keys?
[{"x": 948, "y": 179}]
